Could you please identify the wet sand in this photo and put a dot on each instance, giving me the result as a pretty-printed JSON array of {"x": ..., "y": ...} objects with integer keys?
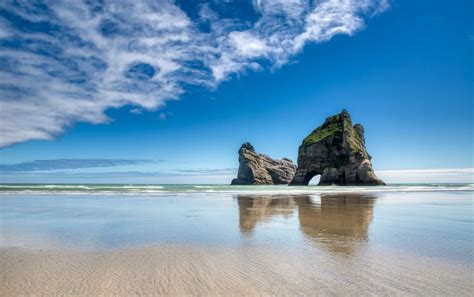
[
  {"x": 385, "y": 244},
  {"x": 194, "y": 270}
]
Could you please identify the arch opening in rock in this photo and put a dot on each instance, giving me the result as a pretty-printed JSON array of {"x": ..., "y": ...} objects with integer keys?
[{"x": 314, "y": 179}]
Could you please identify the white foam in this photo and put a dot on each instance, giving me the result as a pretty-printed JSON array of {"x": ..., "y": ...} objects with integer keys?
[{"x": 130, "y": 189}]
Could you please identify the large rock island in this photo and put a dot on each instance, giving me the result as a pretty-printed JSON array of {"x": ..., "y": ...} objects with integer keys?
[
  {"x": 336, "y": 150},
  {"x": 259, "y": 169}
]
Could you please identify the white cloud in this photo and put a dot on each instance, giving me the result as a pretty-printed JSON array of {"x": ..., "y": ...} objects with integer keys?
[
  {"x": 291, "y": 8},
  {"x": 449, "y": 175},
  {"x": 73, "y": 61},
  {"x": 248, "y": 45}
]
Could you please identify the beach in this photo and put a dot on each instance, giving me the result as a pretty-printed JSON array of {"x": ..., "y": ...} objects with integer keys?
[
  {"x": 213, "y": 240},
  {"x": 197, "y": 270}
]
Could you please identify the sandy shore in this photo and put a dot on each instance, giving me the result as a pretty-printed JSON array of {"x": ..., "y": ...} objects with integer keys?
[{"x": 199, "y": 270}]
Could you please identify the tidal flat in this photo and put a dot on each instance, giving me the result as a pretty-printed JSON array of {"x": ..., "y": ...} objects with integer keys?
[{"x": 246, "y": 242}]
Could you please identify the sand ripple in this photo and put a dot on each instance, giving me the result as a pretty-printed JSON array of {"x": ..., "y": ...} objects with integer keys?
[{"x": 199, "y": 270}]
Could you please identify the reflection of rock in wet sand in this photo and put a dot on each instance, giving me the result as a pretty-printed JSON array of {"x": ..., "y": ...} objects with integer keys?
[
  {"x": 255, "y": 209},
  {"x": 339, "y": 222}
]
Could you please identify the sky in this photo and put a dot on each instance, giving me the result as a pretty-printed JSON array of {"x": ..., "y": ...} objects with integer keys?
[{"x": 167, "y": 91}]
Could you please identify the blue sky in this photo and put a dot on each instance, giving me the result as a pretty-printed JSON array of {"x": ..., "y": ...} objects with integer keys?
[{"x": 158, "y": 91}]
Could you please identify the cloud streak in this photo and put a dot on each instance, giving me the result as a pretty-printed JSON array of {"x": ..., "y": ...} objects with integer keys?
[
  {"x": 446, "y": 175},
  {"x": 63, "y": 62},
  {"x": 206, "y": 175},
  {"x": 60, "y": 164}
]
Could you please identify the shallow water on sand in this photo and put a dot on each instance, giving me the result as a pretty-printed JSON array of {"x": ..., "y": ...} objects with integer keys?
[{"x": 435, "y": 224}]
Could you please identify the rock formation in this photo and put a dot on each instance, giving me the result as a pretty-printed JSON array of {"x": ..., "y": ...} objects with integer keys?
[
  {"x": 259, "y": 169},
  {"x": 336, "y": 150}
]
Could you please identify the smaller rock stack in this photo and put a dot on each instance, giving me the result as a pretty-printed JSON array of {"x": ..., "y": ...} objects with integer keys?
[{"x": 259, "y": 169}]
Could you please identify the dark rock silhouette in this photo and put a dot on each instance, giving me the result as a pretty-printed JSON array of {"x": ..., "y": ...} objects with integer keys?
[
  {"x": 259, "y": 169},
  {"x": 336, "y": 150}
]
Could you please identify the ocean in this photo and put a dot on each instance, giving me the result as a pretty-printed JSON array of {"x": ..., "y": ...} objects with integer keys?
[{"x": 164, "y": 189}]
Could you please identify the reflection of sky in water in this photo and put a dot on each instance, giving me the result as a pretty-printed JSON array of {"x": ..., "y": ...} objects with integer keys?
[{"x": 436, "y": 224}]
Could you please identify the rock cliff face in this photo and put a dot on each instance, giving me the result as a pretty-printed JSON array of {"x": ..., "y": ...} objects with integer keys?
[
  {"x": 336, "y": 150},
  {"x": 259, "y": 169}
]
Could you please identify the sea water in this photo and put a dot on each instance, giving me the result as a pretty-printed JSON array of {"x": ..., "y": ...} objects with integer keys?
[
  {"x": 154, "y": 189},
  {"x": 433, "y": 220}
]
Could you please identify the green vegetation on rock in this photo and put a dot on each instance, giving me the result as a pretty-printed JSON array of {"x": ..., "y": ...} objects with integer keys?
[
  {"x": 334, "y": 125},
  {"x": 322, "y": 133}
]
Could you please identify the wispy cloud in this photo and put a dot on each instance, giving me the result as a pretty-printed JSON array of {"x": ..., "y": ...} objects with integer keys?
[
  {"x": 209, "y": 175},
  {"x": 447, "y": 175},
  {"x": 212, "y": 171},
  {"x": 164, "y": 173},
  {"x": 63, "y": 62},
  {"x": 59, "y": 164}
]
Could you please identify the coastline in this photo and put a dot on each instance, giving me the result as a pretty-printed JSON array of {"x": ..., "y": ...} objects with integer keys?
[{"x": 167, "y": 189}]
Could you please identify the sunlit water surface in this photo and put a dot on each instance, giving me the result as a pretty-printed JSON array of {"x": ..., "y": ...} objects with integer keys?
[{"x": 434, "y": 222}]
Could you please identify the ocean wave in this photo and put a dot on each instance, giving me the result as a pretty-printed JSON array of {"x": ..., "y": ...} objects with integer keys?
[{"x": 137, "y": 189}]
